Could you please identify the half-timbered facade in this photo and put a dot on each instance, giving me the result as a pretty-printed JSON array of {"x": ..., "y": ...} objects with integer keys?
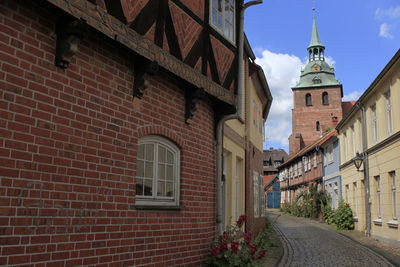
[{"x": 108, "y": 113}]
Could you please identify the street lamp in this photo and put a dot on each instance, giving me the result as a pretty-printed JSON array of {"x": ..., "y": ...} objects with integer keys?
[{"x": 358, "y": 160}]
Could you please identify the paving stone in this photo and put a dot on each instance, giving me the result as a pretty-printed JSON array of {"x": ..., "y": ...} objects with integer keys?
[{"x": 306, "y": 243}]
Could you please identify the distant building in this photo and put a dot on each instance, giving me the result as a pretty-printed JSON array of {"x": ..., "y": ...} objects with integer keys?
[
  {"x": 331, "y": 174},
  {"x": 317, "y": 109},
  {"x": 273, "y": 158}
]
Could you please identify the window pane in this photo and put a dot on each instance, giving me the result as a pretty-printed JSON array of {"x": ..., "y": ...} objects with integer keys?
[
  {"x": 160, "y": 189},
  {"x": 219, "y": 21},
  {"x": 161, "y": 154},
  {"x": 214, "y": 4},
  {"x": 161, "y": 171},
  {"x": 214, "y": 17},
  {"x": 219, "y": 6},
  {"x": 149, "y": 152},
  {"x": 148, "y": 173},
  {"x": 140, "y": 152},
  {"x": 170, "y": 158},
  {"x": 148, "y": 187},
  {"x": 139, "y": 187},
  {"x": 170, "y": 173},
  {"x": 169, "y": 189},
  {"x": 139, "y": 168}
]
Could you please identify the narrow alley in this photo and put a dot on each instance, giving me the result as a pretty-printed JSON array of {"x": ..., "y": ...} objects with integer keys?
[{"x": 309, "y": 243}]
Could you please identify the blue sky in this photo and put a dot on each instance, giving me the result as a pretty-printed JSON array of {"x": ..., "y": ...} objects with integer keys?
[{"x": 360, "y": 37}]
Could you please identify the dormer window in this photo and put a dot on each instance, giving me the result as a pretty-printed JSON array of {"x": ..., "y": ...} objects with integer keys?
[
  {"x": 223, "y": 17},
  {"x": 316, "y": 80}
]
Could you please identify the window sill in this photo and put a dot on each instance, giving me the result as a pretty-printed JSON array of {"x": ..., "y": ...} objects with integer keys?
[
  {"x": 355, "y": 218},
  {"x": 377, "y": 221},
  {"x": 149, "y": 207},
  {"x": 393, "y": 224}
]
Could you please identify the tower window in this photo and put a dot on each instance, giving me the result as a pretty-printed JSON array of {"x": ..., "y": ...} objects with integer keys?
[
  {"x": 308, "y": 100},
  {"x": 325, "y": 98},
  {"x": 317, "y": 126}
]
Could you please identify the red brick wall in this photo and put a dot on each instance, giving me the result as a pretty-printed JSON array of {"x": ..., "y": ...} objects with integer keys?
[
  {"x": 305, "y": 117},
  {"x": 68, "y": 155}
]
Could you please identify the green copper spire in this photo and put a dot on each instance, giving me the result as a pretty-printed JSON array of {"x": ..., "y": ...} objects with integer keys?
[
  {"x": 317, "y": 73},
  {"x": 315, "y": 41}
]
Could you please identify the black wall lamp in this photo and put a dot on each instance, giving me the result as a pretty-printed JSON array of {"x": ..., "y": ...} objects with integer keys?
[{"x": 358, "y": 161}]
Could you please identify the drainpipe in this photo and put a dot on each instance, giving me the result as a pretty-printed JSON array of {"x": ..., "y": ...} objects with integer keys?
[
  {"x": 237, "y": 115},
  {"x": 366, "y": 170}
]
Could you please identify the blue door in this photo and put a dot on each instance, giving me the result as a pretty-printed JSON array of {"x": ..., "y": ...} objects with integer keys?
[{"x": 274, "y": 197}]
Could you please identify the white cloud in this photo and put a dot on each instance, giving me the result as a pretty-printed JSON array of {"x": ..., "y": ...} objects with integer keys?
[
  {"x": 388, "y": 13},
  {"x": 353, "y": 96},
  {"x": 384, "y": 31},
  {"x": 282, "y": 72}
]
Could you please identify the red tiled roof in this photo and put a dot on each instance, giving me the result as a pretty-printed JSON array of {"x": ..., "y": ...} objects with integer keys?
[
  {"x": 346, "y": 106},
  {"x": 318, "y": 142}
]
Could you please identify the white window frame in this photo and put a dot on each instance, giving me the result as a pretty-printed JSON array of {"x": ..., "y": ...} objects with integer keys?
[
  {"x": 154, "y": 200},
  {"x": 222, "y": 29},
  {"x": 309, "y": 162},
  {"x": 315, "y": 159},
  {"x": 353, "y": 140},
  {"x": 374, "y": 124},
  {"x": 345, "y": 146},
  {"x": 378, "y": 195},
  {"x": 392, "y": 176},
  {"x": 256, "y": 195},
  {"x": 300, "y": 167},
  {"x": 330, "y": 154},
  {"x": 355, "y": 196},
  {"x": 389, "y": 117},
  {"x": 261, "y": 188}
]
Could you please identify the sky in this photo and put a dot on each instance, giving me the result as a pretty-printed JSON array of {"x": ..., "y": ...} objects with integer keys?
[{"x": 360, "y": 38}]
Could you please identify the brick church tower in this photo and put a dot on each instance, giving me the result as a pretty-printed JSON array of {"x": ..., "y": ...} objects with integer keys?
[{"x": 317, "y": 97}]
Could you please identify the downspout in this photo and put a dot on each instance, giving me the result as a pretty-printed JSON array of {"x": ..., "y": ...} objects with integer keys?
[
  {"x": 237, "y": 115},
  {"x": 366, "y": 170}
]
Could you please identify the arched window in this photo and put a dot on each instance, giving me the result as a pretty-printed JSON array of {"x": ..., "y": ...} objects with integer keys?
[
  {"x": 157, "y": 172},
  {"x": 317, "y": 126},
  {"x": 325, "y": 98},
  {"x": 308, "y": 100}
]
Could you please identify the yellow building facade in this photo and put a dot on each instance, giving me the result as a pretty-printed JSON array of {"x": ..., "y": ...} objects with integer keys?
[
  {"x": 241, "y": 136},
  {"x": 372, "y": 129}
]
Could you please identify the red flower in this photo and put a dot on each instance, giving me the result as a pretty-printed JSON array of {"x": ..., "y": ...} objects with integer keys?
[
  {"x": 247, "y": 237},
  {"x": 241, "y": 221},
  {"x": 261, "y": 254},
  {"x": 234, "y": 246},
  {"x": 310, "y": 183},
  {"x": 347, "y": 205},
  {"x": 311, "y": 199},
  {"x": 315, "y": 184},
  {"x": 253, "y": 248},
  {"x": 215, "y": 251},
  {"x": 224, "y": 247}
]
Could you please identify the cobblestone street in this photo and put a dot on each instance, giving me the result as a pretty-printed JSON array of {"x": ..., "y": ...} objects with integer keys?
[{"x": 308, "y": 243}]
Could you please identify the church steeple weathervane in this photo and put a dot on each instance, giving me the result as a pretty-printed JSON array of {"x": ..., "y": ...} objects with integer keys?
[{"x": 316, "y": 48}]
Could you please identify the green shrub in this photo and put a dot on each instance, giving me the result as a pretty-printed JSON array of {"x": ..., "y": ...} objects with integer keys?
[
  {"x": 344, "y": 217},
  {"x": 328, "y": 213}
]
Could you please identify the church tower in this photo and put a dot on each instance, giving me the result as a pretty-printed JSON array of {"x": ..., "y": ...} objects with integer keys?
[{"x": 317, "y": 97}]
